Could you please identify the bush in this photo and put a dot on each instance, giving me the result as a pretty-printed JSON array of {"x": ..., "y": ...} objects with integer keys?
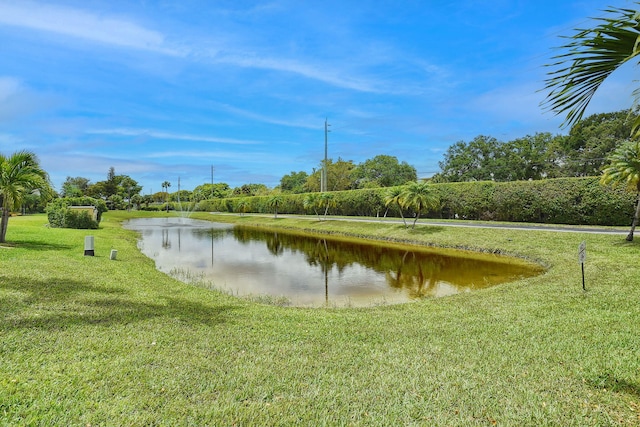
[{"x": 60, "y": 214}]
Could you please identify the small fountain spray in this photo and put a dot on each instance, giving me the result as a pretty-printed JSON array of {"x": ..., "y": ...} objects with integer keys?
[{"x": 184, "y": 213}]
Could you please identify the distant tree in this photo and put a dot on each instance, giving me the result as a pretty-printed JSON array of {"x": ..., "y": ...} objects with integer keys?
[
  {"x": 584, "y": 151},
  {"x": 165, "y": 186},
  {"x": 420, "y": 197},
  {"x": 251, "y": 190},
  {"x": 111, "y": 185},
  {"x": 338, "y": 176},
  {"x": 20, "y": 175},
  {"x": 218, "y": 190},
  {"x": 383, "y": 171},
  {"x": 527, "y": 157},
  {"x": 479, "y": 160},
  {"x": 293, "y": 182},
  {"x": 75, "y": 187},
  {"x": 126, "y": 188},
  {"x": 624, "y": 168},
  {"x": 137, "y": 200}
]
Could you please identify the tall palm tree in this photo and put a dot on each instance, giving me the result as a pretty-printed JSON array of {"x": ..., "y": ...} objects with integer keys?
[
  {"x": 165, "y": 187},
  {"x": 420, "y": 197},
  {"x": 20, "y": 175},
  {"x": 588, "y": 59},
  {"x": 624, "y": 168},
  {"x": 394, "y": 196}
]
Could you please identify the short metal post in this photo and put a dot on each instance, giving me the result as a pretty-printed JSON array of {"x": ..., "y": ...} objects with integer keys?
[{"x": 88, "y": 246}]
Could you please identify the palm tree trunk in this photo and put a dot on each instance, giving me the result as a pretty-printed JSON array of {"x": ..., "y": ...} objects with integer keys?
[
  {"x": 402, "y": 215},
  {"x": 4, "y": 222},
  {"x": 416, "y": 220},
  {"x": 635, "y": 219}
]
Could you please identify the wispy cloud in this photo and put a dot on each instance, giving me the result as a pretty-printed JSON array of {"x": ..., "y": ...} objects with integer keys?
[
  {"x": 308, "y": 123},
  {"x": 170, "y": 136},
  {"x": 83, "y": 25}
]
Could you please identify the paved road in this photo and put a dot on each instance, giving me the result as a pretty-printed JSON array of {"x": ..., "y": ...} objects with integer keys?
[{"x": 468, "y": 224}]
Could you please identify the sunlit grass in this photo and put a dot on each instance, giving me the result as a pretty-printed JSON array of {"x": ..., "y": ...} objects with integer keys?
[{"x": 88, "y": 340}]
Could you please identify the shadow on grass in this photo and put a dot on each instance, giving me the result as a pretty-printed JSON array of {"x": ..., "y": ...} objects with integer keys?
[
  {"x": 609, "y": 382},
  {"x": 36, "y": 246},
  {"x": 424, "y": 229},
  {"x": 60, "y": 303}
]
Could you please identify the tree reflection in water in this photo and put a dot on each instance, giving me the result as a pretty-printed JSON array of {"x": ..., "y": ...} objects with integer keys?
[{"x": 412, "y": 272}]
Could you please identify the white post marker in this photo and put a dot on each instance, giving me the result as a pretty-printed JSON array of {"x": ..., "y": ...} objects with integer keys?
[{"x": 582, "y": 256}]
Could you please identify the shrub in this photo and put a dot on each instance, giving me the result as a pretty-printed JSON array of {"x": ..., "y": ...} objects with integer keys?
[{"x": 60, "y": 214}]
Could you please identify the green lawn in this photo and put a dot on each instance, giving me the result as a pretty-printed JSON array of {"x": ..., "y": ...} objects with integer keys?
[{"x": 90, "y": 341}]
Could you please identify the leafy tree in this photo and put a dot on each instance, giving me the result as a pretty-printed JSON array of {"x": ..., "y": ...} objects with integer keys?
[
  {"x": 20, "y": 175},
  {"x": 127, "y": 187},
  {"x": 294, "y": 182},
  {"x": 211, "y": 191},
  {"x": 479, "y": 160},
  {"x": 589, "y": 59},
  {"x": 383, "y": 171},
  {"x": 624, "y": 168},
  {"x": 75, "y": 187},
  {"x": 137, "y": 200},
  {"x": 419, "y": 196},
  {"x": 338, "y": 176},
  {"x": 250, "y": 190}
]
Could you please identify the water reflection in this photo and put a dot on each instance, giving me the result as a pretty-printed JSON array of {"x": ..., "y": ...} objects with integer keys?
[{"x": 312, "y": 271}]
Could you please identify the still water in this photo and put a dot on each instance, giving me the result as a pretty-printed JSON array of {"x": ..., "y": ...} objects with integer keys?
[{"x": 315, "y": 271}]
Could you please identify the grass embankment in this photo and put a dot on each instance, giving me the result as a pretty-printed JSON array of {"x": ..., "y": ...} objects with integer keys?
[{"x": 89, "y": 341}]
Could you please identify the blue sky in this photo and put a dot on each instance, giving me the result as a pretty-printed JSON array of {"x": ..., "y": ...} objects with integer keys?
[{"x": 162, "y": 90}]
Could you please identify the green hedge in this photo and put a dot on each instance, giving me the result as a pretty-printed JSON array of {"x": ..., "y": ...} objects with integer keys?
[
  {"x": 552, "y": 201},
  {"x": 60, "y": 215}
]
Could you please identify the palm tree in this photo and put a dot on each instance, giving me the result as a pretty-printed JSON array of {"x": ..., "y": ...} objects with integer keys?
[
  {"x": 420, "y": 197},
  {"x": 311, "y": 202},
  {"x": 273, "y": 202},
  {"x": 394, "y": 196},
  {"x": 20, "y": 175},
  {"x": 165, "y": 187},
  {"x": 328, "y": 201},
  {"x": 590, "y": 57},
  {"x": 624, "y": 168}
]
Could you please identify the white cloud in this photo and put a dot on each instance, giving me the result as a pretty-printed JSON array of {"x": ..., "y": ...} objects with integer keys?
[
  {"x": 19, "y": 101},
  {"x": 83, "y": 25},
  {"x": 171, "y": 136}
]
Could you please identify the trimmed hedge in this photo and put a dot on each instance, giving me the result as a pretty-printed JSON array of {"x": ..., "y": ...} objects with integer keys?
[
  {"x": 579, "y": 201},
  {"x": 61, "y": 216}
]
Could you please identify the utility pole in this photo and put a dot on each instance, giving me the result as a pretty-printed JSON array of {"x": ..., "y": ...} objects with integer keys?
[
  {"x": 212, "y": 181},
  {"x": 323, "y": 178}
]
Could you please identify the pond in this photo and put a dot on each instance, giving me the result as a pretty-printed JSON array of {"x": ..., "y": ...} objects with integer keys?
[{"x": 314, "y": 271}]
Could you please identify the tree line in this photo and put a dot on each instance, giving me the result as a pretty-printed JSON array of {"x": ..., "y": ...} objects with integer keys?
[{"x": 584, "y": 151}]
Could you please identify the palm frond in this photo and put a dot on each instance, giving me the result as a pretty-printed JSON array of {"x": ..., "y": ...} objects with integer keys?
[{"x": 588, "y": 59}]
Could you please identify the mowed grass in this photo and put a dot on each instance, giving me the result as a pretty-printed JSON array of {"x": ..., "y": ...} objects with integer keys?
[{"x": 90, "y": 341}]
